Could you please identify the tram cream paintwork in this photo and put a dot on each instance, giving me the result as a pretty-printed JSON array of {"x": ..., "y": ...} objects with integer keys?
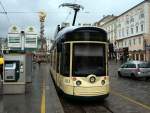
[{"x": 68, "y": 86}]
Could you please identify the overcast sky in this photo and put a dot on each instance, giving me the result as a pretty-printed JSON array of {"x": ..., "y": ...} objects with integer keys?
[{"x": 93, "y": 11}]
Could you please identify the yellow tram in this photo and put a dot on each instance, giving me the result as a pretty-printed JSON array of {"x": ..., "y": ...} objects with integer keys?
[{"x": 78, "y": 62}]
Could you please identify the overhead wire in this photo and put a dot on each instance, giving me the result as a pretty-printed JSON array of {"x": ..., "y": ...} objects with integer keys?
[
  {"x": 23, "y": 12},
  {"x": 3, "y": 7},
  {"x": 67, "y": 16},
  {"x": 5, "y": 12},
  {"x": 18, "y": 12},
  {"x": 69, "y": 12}
]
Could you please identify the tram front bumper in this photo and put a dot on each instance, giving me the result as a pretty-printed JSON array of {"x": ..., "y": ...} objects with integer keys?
[{"x": 91, "y": 91}]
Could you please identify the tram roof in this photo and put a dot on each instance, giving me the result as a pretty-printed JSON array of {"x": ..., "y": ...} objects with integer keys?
[{"x": 72, "y": 29}]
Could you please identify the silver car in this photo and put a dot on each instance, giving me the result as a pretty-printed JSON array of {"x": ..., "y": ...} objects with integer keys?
[{"x": 135, "y": 69}]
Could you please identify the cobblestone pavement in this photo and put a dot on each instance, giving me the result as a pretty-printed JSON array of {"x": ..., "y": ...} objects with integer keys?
[
  {"x": 40, "y": 96},
  {"x": 128, "y": 95}
]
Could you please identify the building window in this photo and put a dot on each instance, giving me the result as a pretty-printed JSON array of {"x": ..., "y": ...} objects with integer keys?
[
  {"x": 134, "y": 41},
  {"x": 131, "y": 20},
  {"x": 127, "y": 31},
  {"x": 141, "y": 15},
  {"x": 119, "y": 33},
  {"x": 123, "y": 32},
  {"x": 139, "y": 40},
  {"x": 119, "y": 25},
  {"x": 130, "y": 42},
  {"x": 137, "y": 29},
  {"x": 31, "y": 40},
  {"x": 133, "y": 56},
  {"x": 125, "y": 43},
  {"x": 137, "y": 56},
  {"x": 142, "y": 27},
  {"x": 131, "y": 30},
  {"x": 122, "y": 44},
  {"x": 127, "y": 21},
  {"x": 141, "y": 57},
  {"x": 14, "y": 39}
]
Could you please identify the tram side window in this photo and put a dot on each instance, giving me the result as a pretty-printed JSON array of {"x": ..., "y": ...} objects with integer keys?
[
  {"x": 65, "y": 60},
  {"x": 53, "y": 60},
  {"x": 57, "y": 66}
]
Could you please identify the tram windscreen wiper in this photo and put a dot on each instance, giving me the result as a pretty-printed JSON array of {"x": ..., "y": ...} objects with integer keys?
[{"x": 87, "y": 71}]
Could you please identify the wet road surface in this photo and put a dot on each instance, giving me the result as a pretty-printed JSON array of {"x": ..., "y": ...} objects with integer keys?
[
  {"x": 28, "y": 102},
  {"x": 40, "y": 96},
  {"x": 126, "y": 96},
  {"x": 132, "y": 95}
]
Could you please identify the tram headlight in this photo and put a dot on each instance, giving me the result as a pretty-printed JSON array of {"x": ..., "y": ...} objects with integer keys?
[
  {"x": 92, "y": 79},
  {"x": 78, "y": 83},
  {"x": 103, "y": 82}
]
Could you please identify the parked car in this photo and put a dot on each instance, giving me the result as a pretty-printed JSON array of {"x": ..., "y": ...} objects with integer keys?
[{"x": 135, "y": 69}]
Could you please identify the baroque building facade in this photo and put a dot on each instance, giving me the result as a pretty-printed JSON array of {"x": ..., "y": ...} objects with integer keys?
[{"x": 130, "y": 31}]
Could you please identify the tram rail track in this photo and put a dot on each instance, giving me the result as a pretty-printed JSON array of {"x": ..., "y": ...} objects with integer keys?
[{"x": 70, "y": 106}]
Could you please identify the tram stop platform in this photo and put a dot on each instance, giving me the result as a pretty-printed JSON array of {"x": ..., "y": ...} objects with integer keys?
[{"x": 40, "y": 96}]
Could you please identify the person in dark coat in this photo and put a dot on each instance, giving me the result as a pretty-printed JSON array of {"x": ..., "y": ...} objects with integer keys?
[{"x": 121, "y": 58}]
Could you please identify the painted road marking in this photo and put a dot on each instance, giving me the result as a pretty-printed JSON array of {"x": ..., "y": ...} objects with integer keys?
[
  {"x": 131, "y": 100},
  {"x": 43, "y": 99}
]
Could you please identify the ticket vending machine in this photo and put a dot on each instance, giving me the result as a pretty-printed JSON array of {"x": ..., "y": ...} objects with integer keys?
[
  {"x": 12, "y": 71},
  {"x": 14, "y": 74}
]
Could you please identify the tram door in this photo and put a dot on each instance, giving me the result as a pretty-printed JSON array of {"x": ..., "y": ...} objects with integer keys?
[{"x": 58, "y": 68}]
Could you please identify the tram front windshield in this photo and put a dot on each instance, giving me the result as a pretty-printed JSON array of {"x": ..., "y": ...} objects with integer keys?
[{"x": 89, "y": 58}]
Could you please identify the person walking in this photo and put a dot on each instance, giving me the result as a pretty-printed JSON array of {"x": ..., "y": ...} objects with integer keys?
[
  {"x": 1, "y": 66},
  {"x": 38, "y": 61},
  {"x": 121, "y": 58}
]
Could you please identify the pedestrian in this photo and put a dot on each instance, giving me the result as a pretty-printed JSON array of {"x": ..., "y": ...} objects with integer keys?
[
  {"x": 1, "y": 66},
  {"x": 121, "y": 59},
  {"x": 115, "y": 56},
  {"x": 39, "y": 63},
  {"x": 1, "y": 72}
]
